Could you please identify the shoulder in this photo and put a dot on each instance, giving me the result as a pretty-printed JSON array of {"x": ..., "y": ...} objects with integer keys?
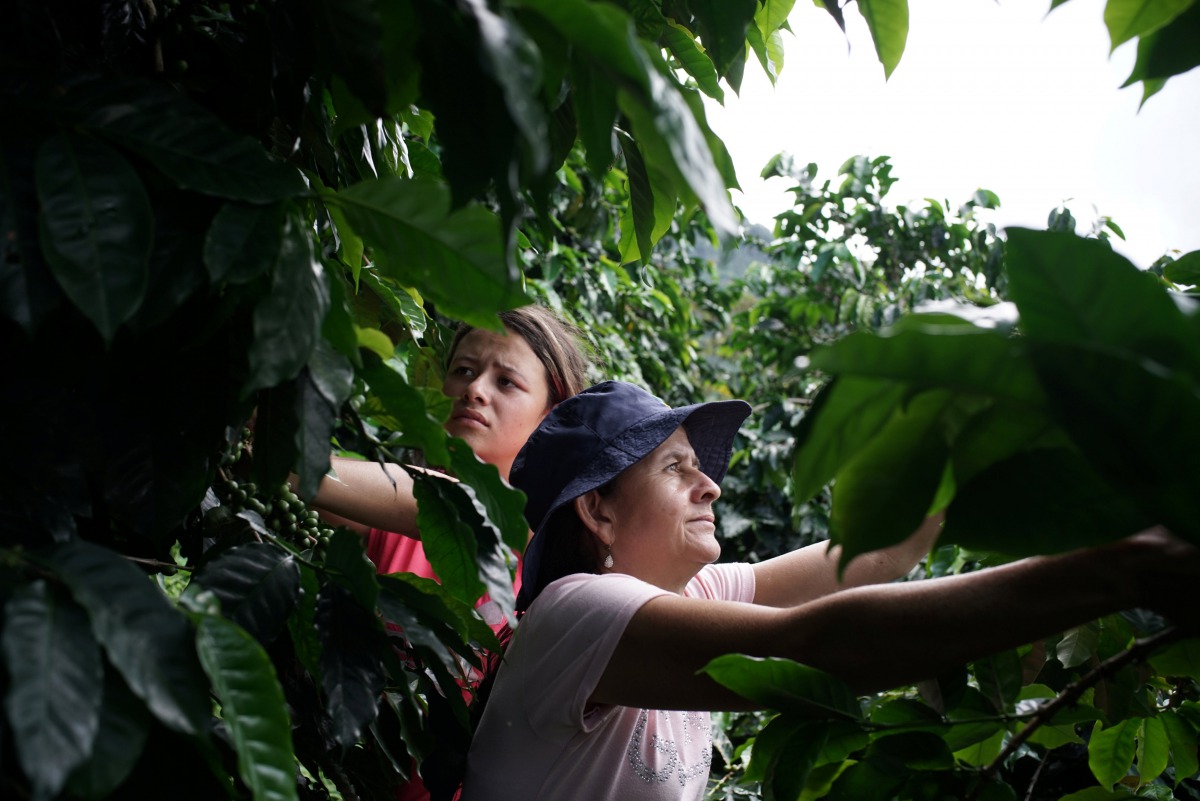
[
  {"x": 585, "y": 590},
  {"x": 726, "y": 582},
  {"x": 585, "y": 601},
  {"x": 576, "y": 622}
]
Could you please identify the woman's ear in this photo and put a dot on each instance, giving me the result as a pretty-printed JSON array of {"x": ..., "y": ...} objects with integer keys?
[{"x": 593, "y": 512}]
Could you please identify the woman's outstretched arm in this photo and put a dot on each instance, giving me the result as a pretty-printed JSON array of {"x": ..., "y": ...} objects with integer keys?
[
  {"x": 889, "y": 635},
  {"x": 811, "y": 572},
  {"x": 363, "y": 495}
]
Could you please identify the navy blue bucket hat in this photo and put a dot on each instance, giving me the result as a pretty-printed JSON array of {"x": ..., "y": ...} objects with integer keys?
[{"x": 589, "y": 439}]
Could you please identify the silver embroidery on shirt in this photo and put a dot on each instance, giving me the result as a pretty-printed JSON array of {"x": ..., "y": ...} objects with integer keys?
[{"x": 670, "y": 749}]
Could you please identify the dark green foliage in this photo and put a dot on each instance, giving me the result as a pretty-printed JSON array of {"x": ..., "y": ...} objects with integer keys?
[
  {"x": 209, "y": 212},
  {"x": 252, "y": 705},
  {"x": 56, "y": 678},
  {"x": 146, "y": 639},
  {"x": 1105, "y": 365}
]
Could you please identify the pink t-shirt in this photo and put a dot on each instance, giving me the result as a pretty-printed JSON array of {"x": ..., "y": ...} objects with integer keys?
[{"x": 537, "y": 740}]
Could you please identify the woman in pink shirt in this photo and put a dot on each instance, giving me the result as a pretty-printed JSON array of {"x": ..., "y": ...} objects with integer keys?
[{"x": 600, "y": 694}]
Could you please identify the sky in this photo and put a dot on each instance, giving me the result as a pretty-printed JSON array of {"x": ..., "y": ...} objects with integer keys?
[{"x": 993, "y": 94}]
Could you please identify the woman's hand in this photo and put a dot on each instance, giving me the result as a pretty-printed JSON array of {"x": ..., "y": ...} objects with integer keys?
[
  {"x": 1165, "y": 574},
  {"x": 362, "y": 495},
  {"x": 812, "y": 572}
]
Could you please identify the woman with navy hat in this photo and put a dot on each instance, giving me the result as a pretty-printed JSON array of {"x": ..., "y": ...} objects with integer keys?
[{"x": 599, "y": 695}]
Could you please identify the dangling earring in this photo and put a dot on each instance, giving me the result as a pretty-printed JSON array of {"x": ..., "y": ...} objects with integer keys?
[{"x": 608, "y": 562}]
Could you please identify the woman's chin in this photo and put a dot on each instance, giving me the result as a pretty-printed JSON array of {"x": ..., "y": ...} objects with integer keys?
[
  {"x": 471, "y": 433},
  {"x": 708, "y": 551}
]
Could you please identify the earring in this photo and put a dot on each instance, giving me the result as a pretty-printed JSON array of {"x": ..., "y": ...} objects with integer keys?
[{"x": 608, "y": 562}]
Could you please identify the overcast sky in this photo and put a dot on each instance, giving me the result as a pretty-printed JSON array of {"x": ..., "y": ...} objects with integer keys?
[{"x": 989, "y": 94}]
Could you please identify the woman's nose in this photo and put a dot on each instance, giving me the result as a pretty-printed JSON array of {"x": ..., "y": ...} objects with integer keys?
[
  {"x": 474, "y": 390},
  {"x": 707, "y": 488}
]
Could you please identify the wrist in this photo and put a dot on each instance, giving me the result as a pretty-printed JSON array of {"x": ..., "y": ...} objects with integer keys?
[{"x": 1141, "y": 566}]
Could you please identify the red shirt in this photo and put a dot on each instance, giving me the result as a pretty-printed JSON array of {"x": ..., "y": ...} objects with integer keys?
[{"x": 396, "y": 553}]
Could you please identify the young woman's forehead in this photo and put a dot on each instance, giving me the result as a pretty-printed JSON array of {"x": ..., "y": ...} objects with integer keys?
[{"x": 507, "y": 348}]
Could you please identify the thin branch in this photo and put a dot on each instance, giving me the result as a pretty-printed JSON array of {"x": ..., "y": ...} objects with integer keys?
[
  {"x": 1034, "y": 780},
  {"x": 152, "y": 15},
  {"x": 294, "y": 550},
  {"x": 757, "y": 408},
  {"x": 1138, "y": 652},
  {"x": 712, "y": 791},
  {"x": 924, "y": 725},
  {"x": 159, "y": 564},
  {"x": 341, "y": 780}
]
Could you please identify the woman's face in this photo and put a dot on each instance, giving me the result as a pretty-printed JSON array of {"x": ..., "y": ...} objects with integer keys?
[
  {"x": 500, "y": 394},
  {"x": 662, "y": 518}
]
